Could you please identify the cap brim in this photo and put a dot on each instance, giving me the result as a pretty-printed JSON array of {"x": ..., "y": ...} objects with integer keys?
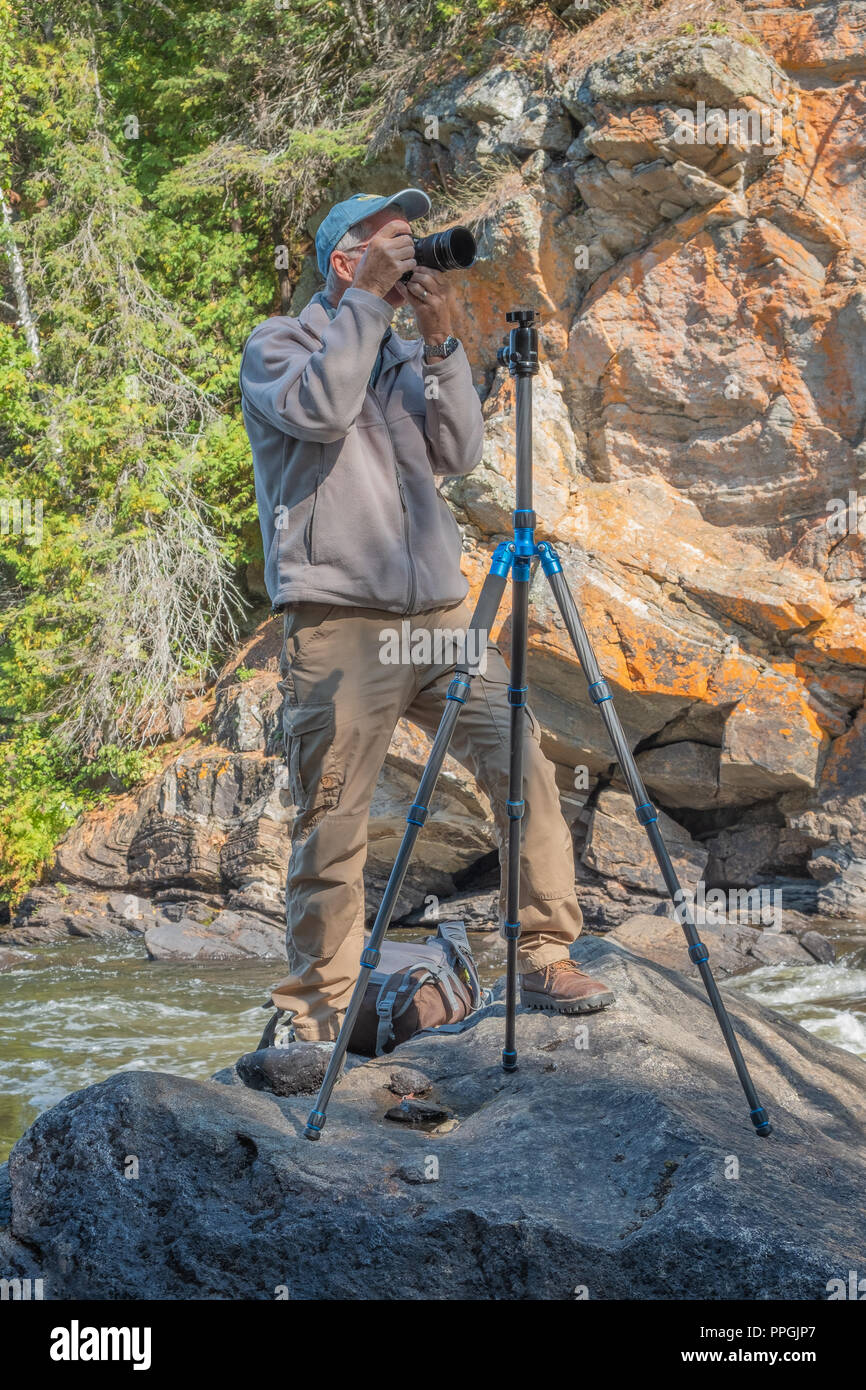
[{"x": 413, "y": 201}]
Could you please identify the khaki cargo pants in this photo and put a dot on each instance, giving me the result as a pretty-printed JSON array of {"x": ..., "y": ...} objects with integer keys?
[{"x": 341, "y": 706}]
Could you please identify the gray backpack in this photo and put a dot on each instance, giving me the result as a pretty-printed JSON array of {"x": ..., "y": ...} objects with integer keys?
[{"x": 417, "y": 987}]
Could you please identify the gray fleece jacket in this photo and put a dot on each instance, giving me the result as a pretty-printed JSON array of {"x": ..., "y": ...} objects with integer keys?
[{"x": 344, "y": 471}]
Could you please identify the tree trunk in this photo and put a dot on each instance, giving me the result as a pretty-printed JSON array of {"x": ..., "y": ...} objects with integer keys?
[{"x": 19, "y": 284}]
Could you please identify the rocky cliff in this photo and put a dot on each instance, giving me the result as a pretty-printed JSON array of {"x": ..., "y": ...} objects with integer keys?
[{"x": 687, "y": 210}]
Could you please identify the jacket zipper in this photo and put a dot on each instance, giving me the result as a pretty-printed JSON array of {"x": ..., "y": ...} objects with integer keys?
[
  {"x": 312, "y": 521},
  {"x": 412, "y": 576}
]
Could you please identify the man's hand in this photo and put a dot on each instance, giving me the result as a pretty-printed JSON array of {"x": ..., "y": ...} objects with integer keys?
[
  {"x": 389, "y": 254},
  {"x": 431, "y": 297}
]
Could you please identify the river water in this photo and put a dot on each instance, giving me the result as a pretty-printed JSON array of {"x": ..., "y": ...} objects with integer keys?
[{"x": 81, "y": 1010}]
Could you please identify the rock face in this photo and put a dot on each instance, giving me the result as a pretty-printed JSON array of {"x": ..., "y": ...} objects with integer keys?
[
  {"x": 618, "y": 1161},
  {"x": 55, "y": 912},
  {"x": 697, "y": 254},
  {"x": 687, "y": 211},
  {"x": 834, "y": 824}
]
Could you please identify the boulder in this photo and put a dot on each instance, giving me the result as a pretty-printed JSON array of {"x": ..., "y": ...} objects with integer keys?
[
  {"x": 606, "y": 903},
  {"x": 602, "y": 1164},
  {"x": 819, "y": 947},
  {"x": 497, "y": 95},
  {"x": 754, "y": 851},
  {"x": 617, "y": 846},
  {"x": 406, "y": 1081},
  {"x": 54, "y": 911},
  {"x": 772, "y": 741},
  {"x": 683, "y": 774},
  {"x": 295, "y": 1070},
  {"x": 833, "y": 824},
  {"x": 721, "y": 71},
  {"x": 733, "y": 946},
  {"x": 224, "y": 936},
  {"x": 543, "y": 125},
  {"x": 10, "y": 960},
  {"x": 824, "y": 47},
  {"x": 247, "y": 714},
  {"x": 478, "y": 910}
]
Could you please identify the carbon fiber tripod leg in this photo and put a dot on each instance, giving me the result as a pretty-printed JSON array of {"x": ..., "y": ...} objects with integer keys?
[
  {"x": 600, "y": 695},
  {"x": 517, "y": 691},
  {"x": 482, "y": 621}
]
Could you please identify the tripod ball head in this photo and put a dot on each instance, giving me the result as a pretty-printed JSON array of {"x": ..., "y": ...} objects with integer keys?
[{"x": 520, "y": 353}]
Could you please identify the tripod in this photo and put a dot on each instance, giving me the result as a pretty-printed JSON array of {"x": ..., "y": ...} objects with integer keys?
[{"x": 515, "y": 558}]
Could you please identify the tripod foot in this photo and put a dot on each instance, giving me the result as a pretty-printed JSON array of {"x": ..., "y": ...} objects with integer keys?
[
  {"x": 761, "y": 1122},
  {"x": 509, "y": 1059},
  {"x": 315, "y": 1124}
]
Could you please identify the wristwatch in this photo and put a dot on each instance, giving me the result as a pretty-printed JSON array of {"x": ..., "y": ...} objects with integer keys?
[{"x": 441, "y": 349}]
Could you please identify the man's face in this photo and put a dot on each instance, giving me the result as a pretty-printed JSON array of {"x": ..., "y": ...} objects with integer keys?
[{"x": 399, "y": 294}]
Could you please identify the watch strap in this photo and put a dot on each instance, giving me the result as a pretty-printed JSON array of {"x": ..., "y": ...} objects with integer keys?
[{"x": 441, "y": 349}]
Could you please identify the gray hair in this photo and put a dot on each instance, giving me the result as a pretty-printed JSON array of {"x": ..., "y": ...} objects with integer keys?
[{"x": 353, "y": 237}]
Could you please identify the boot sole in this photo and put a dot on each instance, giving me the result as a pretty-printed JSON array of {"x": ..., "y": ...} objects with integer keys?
[{"x": 592, "y": 1004}]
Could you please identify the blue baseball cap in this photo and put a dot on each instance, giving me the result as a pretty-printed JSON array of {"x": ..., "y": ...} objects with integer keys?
[{"x": 413, "y": 203}]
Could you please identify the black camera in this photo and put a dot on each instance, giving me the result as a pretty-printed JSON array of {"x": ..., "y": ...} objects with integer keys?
[{"x": 454, "y": 249}]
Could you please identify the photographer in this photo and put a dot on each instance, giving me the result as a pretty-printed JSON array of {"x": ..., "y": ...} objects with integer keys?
[{"x": 349, "y": 424}]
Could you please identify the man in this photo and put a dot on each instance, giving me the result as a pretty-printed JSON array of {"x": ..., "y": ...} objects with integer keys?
[{"x": 349, "y": 426}]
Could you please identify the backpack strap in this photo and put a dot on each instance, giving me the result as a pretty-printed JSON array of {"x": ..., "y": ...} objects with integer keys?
[
  {"x": 443, "y": 975},
  {"x": 397, "y": 987},
  {"x": 385, "y": 1001},
  {"x": 457, "y": 948},
  {"x": 269, "y": 1035}
]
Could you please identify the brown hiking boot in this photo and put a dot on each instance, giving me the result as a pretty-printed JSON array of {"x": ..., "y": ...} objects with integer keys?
[{"x": 563, "y": 989}]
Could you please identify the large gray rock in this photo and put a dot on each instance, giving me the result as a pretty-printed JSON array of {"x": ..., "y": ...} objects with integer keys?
[
  {"x": 54, "y": 911},
  {"x": 606, "y": 1161},
  {"x": 617, "y": 845},
  {"x": 247, "y": 714},
  {"x": 10, "y": 960},
  {"x": 296, "y": 1070},
  {"x": 754, "y": 852},
  {"x": 497, "y": 95},
  {"x": 685, "y": 774},
  {"x": 226, "y": 936},
  {"x": 733, "y": 946},
  {"x": 680, "y": 71}
]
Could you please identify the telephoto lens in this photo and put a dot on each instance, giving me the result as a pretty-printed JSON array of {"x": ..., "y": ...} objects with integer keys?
[{"x": 454, "y": 249}]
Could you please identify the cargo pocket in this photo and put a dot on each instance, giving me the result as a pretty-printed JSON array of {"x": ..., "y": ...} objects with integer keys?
[
  {"x": 315, "y": 782},
  {"x": 495, "y": 686}
]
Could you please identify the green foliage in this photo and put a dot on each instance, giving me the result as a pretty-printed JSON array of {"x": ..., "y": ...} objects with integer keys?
[
  {"x": 42, "y": 797},
  {"x": 38, "y": 803}
]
